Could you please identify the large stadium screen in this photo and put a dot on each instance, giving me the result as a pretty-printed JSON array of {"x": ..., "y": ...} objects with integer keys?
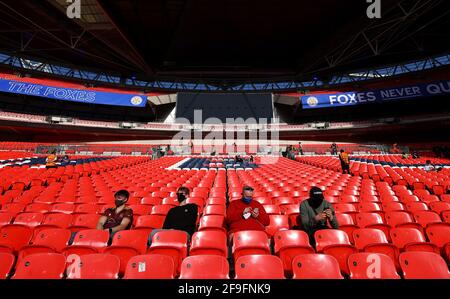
[{"x": 258, "y": 106}]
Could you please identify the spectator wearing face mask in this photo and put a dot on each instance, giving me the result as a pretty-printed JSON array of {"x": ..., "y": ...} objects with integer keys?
[
  {"x": 316, "y": 214},
  {"x": 183, "y": 217},
  {"x": 118, "y": 218},
  {"x": 246, "y": 213}
]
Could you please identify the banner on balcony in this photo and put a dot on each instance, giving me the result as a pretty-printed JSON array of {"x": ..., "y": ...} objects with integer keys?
[
  {"x": 374, "y": 96},
  {"x": 72, "y": 94}
]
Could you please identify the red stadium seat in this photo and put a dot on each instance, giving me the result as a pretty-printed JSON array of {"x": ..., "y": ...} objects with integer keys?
[
  {"x": 277, "y": 223},
  {"x": 316, "y": 266},
  {"x": 346, "y": 224},
  {"x": 250, "y": 242},
  {"x": 212, "y": 222},
  {"x": 150, "y": 266},
  {"x": 411, "y": 239},
  {"x": 335, "y": 243},
  {"x": 41, "y": 266},
  {"x": 372, "y": 220},
  {"x": 88, "y": 242},
  {"x": 148, "y": 223},
  {"x": 439, "y": 206},
  {"x": 38, "y": 208},
  {"x": 126, "y": 244},
  {"x": 6, "y": 264},
  {"x": 204, "y": 267},
  {"x": 29, "y": 219},
  {"x": 93, "y": 266},
  {"x": 172, "y": 243},
  {"x": 423, "y": 265},
  {"x": 86, "y": 208},
  {"x": 425, "y": 218},
  {"x": 439, "y": 235},
  {"x": 290, "y": 243},
  {"x": 46, "y": 241},
  {"x": 15, "y": 236},
  {"x": 215, "y": 210},
  {"x": 54, "y": 220},
  {"x": 446, "y": 216},
  {"x": 66, "y": 208},
  {"x": 5, "y": 218},
  {"x": 209, "y": 243},
  {"x": 259, "y": 267},
  {"x": 139, "y": 210},
  {"x": 84, "y": 221},
  {"x": 368, "y": 265},
  {"x": 272, "y": 209}
]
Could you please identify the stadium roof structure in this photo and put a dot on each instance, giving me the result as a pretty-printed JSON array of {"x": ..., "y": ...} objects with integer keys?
[{"x": 224, "y": 45}]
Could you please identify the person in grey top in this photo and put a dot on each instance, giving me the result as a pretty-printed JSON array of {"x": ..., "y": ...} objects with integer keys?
[{"x": 316, "y": 213}]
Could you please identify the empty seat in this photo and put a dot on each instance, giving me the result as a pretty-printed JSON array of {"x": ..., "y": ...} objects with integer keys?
[
  {"x": 215, "y": 210},
  {"x": 93, "y": 266},
  {"x": 277, "y": 223},
  {"x": 336, "y": 243},
  {"x": 259, "y": 267},
  {"x": 204, "y": 267},
  {"x": 439, "y": 235},
  {"x": 149, "y": 222},
  {"x": 54, "y": 220},
  {"x": 372, "y": 220},
  {"x": 150, "y": 266},
  {"x": 15, "y": 236},
  {"x": 423, "y": 265},
  {"x": 346, "y": 224},
  {"x": 41, "y": 266},
  {"x": 5, "y": 218},
  {"x": 212, "y": 222},
  {"x": 411, "y": 239},
  {"x": 6, "y": 264},
  {"x": 425, "y": 218},
  {"x": 172, "y": 243},
  {"x": 440, "y": 206},
  {"x": 316, "y": 266},
  {"x": 290, "y": 243},
  {"x": 209, "y": 243},
  {"x": 368, "y": 265},
  {"x": 126, "y": 244},
  {"x": 46, "y": 241},
  {"x": 84, "y": 221},
  {"x": 29, "y": 219},
  {"x": 38, "y": 207},
  {"x": 373, "y": 240},
  {"x": 88, "y": 241},
  {"x": 250, "y": 242}
]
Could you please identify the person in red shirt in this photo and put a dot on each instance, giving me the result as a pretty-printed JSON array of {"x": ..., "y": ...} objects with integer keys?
[{"x": 246, "y": 213}]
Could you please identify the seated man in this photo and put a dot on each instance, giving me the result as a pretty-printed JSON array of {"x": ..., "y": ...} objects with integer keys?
[
  {"x": 118, "y": 218},
  {"x": 183, "y": 217},
  {"x": 246, "y": 213},
  {"x": 316, "y": 214}
]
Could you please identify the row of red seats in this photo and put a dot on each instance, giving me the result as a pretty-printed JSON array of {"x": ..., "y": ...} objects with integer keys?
[
  {"x": 415, "y": 265},
  {"x": 293, "y": 254}
]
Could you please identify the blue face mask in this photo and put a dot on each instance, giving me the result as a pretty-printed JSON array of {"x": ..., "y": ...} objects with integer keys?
[{"x": 247, "y": 200}]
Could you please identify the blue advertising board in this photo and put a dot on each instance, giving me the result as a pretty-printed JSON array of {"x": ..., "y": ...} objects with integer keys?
[
  {"x": 374, "y": 96},
  {"x": 73, "y": 94}
]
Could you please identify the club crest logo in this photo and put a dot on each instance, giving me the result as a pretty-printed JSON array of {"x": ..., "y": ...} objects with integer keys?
[
  {"x": 312, "y": 101},
  {"x": 136, "y": 100}
]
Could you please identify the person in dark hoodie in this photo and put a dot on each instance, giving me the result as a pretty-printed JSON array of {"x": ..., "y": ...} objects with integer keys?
[
  {"x": 316, "y": 213},
  {"x": 183, "y": 217}
]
